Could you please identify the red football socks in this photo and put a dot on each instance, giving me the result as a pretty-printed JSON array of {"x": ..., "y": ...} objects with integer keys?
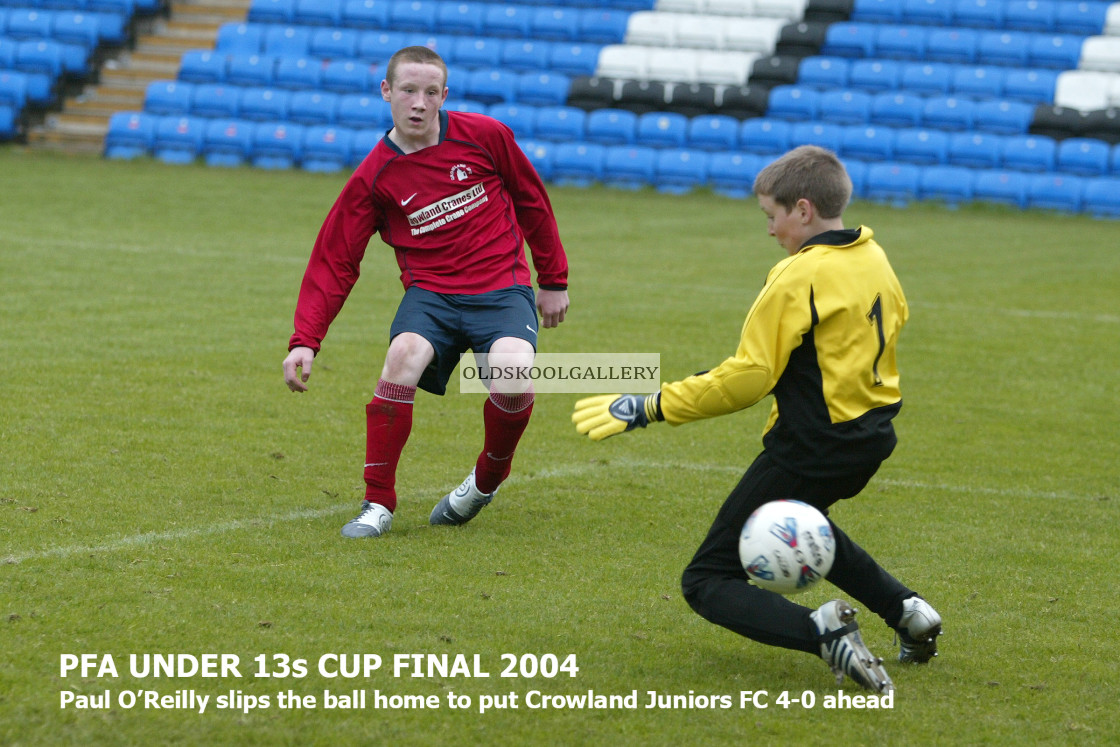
[
  {"x": 505, "y": 418},
  {"x": 388, "y": 423}
]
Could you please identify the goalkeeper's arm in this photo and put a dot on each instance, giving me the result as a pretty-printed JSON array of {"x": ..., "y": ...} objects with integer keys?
[{"x": 610, "y": 414}]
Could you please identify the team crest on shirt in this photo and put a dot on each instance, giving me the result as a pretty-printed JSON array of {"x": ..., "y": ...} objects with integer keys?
[{"x": 460, "y": 172}]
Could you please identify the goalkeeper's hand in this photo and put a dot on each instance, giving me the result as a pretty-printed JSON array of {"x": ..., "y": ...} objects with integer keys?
[{"x": 610, "y": 414}]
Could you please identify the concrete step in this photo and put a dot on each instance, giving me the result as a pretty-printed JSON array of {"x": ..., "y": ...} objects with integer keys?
[{"x": 122, "y": 81}]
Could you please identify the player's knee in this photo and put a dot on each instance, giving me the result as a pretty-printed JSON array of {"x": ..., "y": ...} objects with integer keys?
[
  {"x": 408, "y": 355},
  {"x": 511, "y": 360}
]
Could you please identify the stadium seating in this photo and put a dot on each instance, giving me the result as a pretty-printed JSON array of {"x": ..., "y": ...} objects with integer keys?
[
  {"x": 680, "y": 170},
  {"x": 629, "y": 166}
]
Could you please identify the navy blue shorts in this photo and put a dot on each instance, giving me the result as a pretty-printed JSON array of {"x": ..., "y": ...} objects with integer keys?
[{"x": 456, "y": 323}]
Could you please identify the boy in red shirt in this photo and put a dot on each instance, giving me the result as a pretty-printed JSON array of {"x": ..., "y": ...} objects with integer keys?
[{"x": 455, "y": 197}]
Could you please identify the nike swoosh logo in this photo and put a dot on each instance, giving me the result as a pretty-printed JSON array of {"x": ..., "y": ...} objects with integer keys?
[
  {"x": 531, "y": 329},
  {"x": 405, "y": 202}
]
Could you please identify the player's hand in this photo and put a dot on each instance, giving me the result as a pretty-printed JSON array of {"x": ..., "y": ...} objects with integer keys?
[
  {"x": 610, "y": 414},
  {"x": 553, "y": 306},
  {"x": 297, "y": 368}
]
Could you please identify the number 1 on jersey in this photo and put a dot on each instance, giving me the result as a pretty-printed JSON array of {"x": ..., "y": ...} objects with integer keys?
[{"x": 875, "y": 316}]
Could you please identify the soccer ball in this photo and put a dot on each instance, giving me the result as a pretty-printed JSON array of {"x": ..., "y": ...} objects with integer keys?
[{"x": 787, "y": 546}]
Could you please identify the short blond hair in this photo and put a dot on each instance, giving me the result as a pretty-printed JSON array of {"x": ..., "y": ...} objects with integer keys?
[
  {"x": 811, "y": 173},
  {"x": 422, "y": 55}
]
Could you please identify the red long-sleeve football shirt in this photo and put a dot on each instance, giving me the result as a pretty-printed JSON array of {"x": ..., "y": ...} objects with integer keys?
[{"x": 457, "y": 214}]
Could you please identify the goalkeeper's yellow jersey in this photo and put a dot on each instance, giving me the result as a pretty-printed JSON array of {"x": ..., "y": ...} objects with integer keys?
[{"x": 821, "y": 338}]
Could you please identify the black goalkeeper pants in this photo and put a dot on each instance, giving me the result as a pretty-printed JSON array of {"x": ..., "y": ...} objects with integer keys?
[{"x": 717, "y": 588}]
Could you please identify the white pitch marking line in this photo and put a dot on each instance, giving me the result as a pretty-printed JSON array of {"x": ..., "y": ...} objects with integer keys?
[{"x": 147, "y": 538}]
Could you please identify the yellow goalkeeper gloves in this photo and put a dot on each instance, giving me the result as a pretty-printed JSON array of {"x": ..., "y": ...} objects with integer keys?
[{"x": 610, "y": 414}]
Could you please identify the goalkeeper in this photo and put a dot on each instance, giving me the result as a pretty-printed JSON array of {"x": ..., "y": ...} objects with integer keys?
[{"x": 821, "y": 338}]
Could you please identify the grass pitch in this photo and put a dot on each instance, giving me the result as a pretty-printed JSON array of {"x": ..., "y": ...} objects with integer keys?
[{"x": 162, "y": 493}]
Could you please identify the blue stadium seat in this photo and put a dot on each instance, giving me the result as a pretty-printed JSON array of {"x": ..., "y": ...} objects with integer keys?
[
  {"x": 978, "y": 81},
  {"x": 1029, "y": 15},
  {"x": 250, "y": 69},
  {"x": 379, "y": 46},
  {"x": 1010, "y": 48},
  {"x": 612, "y": 126},
  {"x": 539, "y": 153},
  {"x": 7, "y": 53},
  {"x": 853, "y": 40},
  {"x": 317, "y": 13},
  {"x": 37, "y": 88},
  {"x": 867, "y": 143},
  {"x": 1056, "y": 51},
  {"x": 112, "y": 28},
  {"x": 574, "y": 59},
  {"x": 876, "y": 11},
  {"x": 900, "y": 42},
  {"x": 413, "y": 15},
  {"x": 76, "y": 27},
  {"x": 981, "y": 14},
  {"x": 922, "y": 146},
  {"x": 271, "y": 11},
  {"x": 332, "y": 44},
  {"x": 662, "y": 129},
  {"x": 713, "y": 132},
  {"x": 364, "y": 141},
  {"x": 895, "y": 183},
  {"x": 1028, "y": 153},
  {"x": 875, "y": 75},
  {"x": 525, "y": 54},
  {"x": 896, "y": 109},
  {"x": 822, "y": 134},
  {"x": 1114, "y": 160},
  {"x": 276, "y": 145},
  {"x": 13, "y": 89},
  {"x": 927, "y": 78},
  {"x": 543, "y": 88},
  {"x": 1001, "y": 186},
  {"x": 214, "y": 100},
  {"x": 629, "y": 166},
  {"x": 325, "y": 148},
  {"x": 948, "y": 113},
  {"x": 953, "y": 45},
  {"x": 298, "y": 73},
  {"x": 857, "y": 172},
  {"x": 1081, "y": 18},
  {"x": 40, "y": 56},
  {"x": 927, "y": 12},
  {"x": 177, "y": 140},
  {"x": 845, "y": 106},
  {"x": 797, "y": 103},
  {"x": 1102, "y": 197},
  {"x": 950, "y": 184},
  {"x": 202, "y": 66},
  {"x": 29, "y": 23},
  {"x": 508, "y": 20},
  {"x": 563, "y": 123},
  {"x": 349, "y": 76},
  {"x": 1032, "y": 85},
  {"x": 261, "y": 103},
  {"x": 226, "y": 142},
  {"x": 823, "y": 72},
  {"x": 311, "y": 107},
  {"x": 975, "y": 150},
  {"x": 578, "y": 164},
  {"x": 474, "y": 52},
  {"x": 361, "y": 111},
  {"x": 287, "y": 40},
  {"x": 490, "y": 85},
  {"x": 240, "y": 38},
  {"x": 1055, "y": 192},
  {"x": 168, "y": 97},
  {"x": 555, "y": 22},
  {"x": 1001, "y": 116},
  {"x": 365, "y": 14},
  {"x": 603, "y": 25},
  {"x": 460, "y": 17},
  {"x": 1085, "y": 156},
  {"x": 732, "y": 173},
  {"x": 761, "y": 135},
  {"x": 465, "y": 105},
  {"x": 130, "y": 135},
  {"x": 518, "y": 117},
  {"x": 681, "y": 170}
]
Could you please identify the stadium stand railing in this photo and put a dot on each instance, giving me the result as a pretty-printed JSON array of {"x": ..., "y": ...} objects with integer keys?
[{"x": 952, "y": 100}]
